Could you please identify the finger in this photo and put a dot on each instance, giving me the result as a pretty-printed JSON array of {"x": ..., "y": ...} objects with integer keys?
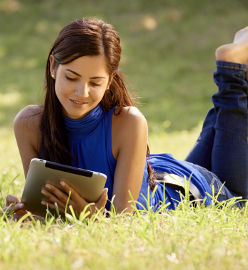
[
  {"x": 74, "y": 194},
  {"x": 11, "y": 199},
  {"x": 18, "y": 206},
  {"x": 103, "y": 199},
  {"x": 77, "y": 202},
  {"x": 51, "y": 198},
  {"x": 57, "y": 192},
  {"x": 52, "y": 206},
  {"x": 12, "y": 208}
]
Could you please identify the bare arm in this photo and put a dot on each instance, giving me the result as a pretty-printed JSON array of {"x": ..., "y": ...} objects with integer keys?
[
  {"x": 26, "y": 128},
  {"x": 129, "y": 144},
  {"x": 27, "y": 134}
]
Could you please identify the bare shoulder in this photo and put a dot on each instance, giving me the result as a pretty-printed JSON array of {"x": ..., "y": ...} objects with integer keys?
[
  {"x": 28, "y": 117},
  {"x": 128, "y": 127},
  {"x": 129, "y": 116},
  {"x": 27, "y": 127}
]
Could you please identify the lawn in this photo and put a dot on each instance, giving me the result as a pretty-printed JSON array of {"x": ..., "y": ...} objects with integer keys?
[{"x": 168, "y": 59}]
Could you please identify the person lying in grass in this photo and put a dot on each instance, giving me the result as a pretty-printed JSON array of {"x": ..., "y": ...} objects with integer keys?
[{"x": 89, "y": 120}]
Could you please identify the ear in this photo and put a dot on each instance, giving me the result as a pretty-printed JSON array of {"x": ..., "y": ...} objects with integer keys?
[{"x": 52, "y": 66}]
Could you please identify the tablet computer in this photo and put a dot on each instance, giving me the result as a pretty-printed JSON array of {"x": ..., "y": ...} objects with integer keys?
[{"x": 88, "y": 184}]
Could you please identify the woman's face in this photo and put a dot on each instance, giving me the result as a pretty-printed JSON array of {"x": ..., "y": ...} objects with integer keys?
[{"x": 81, "y": 84}]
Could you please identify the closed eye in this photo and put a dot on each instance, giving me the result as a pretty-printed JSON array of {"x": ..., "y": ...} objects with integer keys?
[
  {"x": 70, "y": 79},
  {"x": 94, "y": 84}
]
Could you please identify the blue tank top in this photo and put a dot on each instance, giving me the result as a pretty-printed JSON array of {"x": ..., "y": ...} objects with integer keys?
[{"x": 90, "y": 144}]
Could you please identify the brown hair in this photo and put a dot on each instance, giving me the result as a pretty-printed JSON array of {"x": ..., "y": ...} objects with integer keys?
[{"x": 80, "y": 38}]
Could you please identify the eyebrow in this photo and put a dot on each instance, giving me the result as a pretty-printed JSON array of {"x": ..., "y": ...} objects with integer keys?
[{"x": 95, "y": 77}]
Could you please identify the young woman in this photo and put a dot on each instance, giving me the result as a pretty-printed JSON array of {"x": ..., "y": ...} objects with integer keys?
[{"x": 89, "y": 120}]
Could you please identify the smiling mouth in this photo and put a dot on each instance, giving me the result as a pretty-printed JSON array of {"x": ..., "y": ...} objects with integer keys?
[{"x": 78, "y": 102}]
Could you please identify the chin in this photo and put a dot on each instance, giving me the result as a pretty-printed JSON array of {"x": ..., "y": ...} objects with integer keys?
[{"x": 77, "y": 115}]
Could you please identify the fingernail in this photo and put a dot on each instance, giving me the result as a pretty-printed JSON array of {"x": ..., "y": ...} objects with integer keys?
[
  {"x": 43, "y": 191},
  {"x": 42, "y": 202},
  {"x": 62, "y": 183},
  {"x": 47, "y": 186}
]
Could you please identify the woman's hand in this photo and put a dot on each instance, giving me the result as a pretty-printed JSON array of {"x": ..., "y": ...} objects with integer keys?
[
  {"x": 16, "y": 209},
  {"x": 60, "y": 196},
  {"x": 14, "y": 206}
]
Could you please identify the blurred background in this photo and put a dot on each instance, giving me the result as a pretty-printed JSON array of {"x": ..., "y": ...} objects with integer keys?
[{"x": 168, "y": 59}]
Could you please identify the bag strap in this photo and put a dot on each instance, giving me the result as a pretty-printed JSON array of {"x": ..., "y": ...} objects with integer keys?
[{"x": 178, "y": 181}]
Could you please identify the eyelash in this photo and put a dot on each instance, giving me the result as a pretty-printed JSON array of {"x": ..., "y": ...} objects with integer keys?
[
  {"x": 70, "y": 79},
  {"x": 92, "y": 83}
]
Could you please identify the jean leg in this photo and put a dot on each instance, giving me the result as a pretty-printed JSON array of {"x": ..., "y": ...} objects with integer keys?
[
  {"x": 201, "y": 153},
  {"x": 220, "y": 190},
  {"x": 230, "y": 147}
]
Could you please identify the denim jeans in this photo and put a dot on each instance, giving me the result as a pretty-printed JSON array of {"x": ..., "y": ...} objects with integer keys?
[
  {"x": 220, "y": 191},
  {"x": 222, "y": 146}
]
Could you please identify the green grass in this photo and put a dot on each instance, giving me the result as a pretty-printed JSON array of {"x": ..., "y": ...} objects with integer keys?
[
  {"x": 168, "y": 58},
  {"x": 188, "y": 238}
]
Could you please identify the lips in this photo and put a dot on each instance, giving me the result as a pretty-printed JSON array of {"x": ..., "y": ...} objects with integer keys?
[{"x": 78, "y": 102}]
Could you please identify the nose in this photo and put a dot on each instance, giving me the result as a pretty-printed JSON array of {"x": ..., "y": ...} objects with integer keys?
[{"x": 82, "y": 90}]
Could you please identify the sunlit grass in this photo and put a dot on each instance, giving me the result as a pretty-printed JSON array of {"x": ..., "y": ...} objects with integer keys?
[
  {"x": 178, "y": 143},
  {"x": 10, "y": 98},
  {"x": 189, "y": 237}
]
